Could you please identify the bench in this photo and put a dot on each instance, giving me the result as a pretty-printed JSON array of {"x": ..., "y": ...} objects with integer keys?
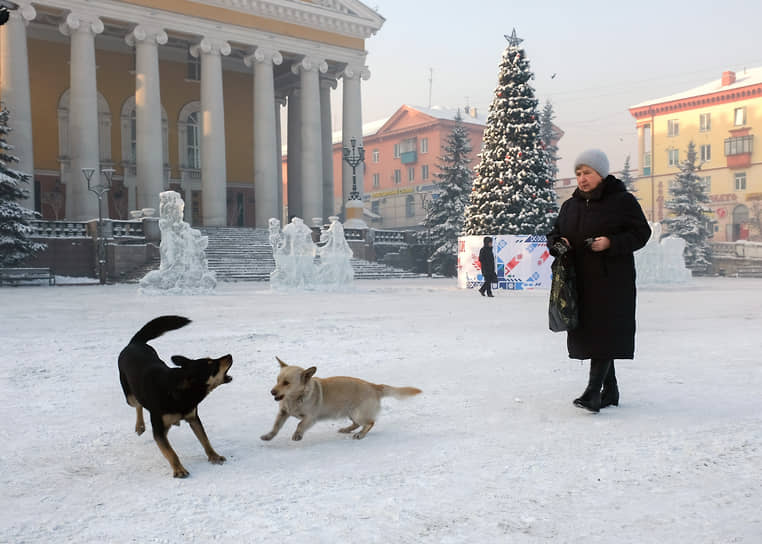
[{"x": 14, "y": 276}]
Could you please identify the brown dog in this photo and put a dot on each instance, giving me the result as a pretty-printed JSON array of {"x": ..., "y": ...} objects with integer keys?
[{"x": 311, "y": 399}]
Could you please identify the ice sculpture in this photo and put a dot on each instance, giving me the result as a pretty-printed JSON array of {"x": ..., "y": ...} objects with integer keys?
[
  {"x": 661, "y": 260},
  {"x": 184, "y": 269},
  {"x": 335, "y": 271},
  {"x": 294, "y": 254}
]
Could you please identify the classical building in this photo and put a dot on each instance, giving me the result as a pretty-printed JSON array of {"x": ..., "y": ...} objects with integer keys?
[
  {"x": 183, "y": 94},
  {"x": 720, "y": 118}
]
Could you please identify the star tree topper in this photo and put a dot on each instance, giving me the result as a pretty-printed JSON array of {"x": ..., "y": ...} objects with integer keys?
[{"x": 513, "y": 40}]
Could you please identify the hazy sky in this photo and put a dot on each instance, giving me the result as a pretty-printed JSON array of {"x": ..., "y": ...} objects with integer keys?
[{"x": 606, "y": 55}]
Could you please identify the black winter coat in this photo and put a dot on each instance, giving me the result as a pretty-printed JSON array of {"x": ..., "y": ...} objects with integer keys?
[
  {"x": 605, "y": 279},
  {"x": 487, "y": 262}
]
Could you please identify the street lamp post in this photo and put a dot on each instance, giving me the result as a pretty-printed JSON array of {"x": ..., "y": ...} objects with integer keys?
[
  {"x": 426, "y": 205},
  {"x": 353, "y": 158},
  {"x": 100, "y": 189}
]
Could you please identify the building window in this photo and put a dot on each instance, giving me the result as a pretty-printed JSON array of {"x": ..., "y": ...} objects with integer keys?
[
  {"x": 674, "y": 157},
  {"x": 409, "y": 206},
  {"x": 375, "y": 206},
  {"x": 705, "y": 122},
  {"x": 193, "y": 65},
  {"x": 128, "y": 120},
  {"x": 192, "y": 142},
  {"x": 376, "y": 155},
  {"x": 739, "y": 117},
  {"x": 706, "y": 183},
  {"x": 738, "y": 146},
  {"x": 740, "y": 181},
  {"x": 706, "y": 153},
  {"x": 424, "y": 145},
  {"x": 425, "y": 171},
  {"x": 376, "y": 180},
  {"x": 397, "y": 176},
  {"x": 411, "y": 173},
  {"x": 408, "y": 145},
  {"x": 396, "y": 151},
  {"x": 673, "y": 127}
]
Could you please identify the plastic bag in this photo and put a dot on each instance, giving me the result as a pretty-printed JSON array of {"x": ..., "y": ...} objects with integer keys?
[{"x": 563, "y": 313}]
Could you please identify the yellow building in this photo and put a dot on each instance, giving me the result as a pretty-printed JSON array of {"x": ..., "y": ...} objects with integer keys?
[
  {"x": 721, "y": 119},
  {"x": 184, "y": 95}
]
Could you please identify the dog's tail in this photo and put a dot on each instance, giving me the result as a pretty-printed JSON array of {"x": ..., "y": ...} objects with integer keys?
[
  {"x": 398, "y": 392},
  {"x": 157, "y": 327}
]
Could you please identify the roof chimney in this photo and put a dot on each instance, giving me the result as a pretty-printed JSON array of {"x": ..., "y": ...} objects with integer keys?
[{"x": 728, "y": 78}]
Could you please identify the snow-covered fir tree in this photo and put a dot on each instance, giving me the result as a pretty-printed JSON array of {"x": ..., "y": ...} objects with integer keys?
[
  {"x": 444, "y": 217},
  {"x": 513, "y": 190},
  {"x": 626, "y": 176},
  {"x": 689, "y": 221},
  {"x": 548, "y": 136},
  {"x": 14, "y": 218}
]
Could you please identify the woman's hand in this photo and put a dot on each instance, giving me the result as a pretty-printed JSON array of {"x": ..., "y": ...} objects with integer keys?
[
  {"x": 600, "y": 243},
  {"x": 565, "y": 241}
]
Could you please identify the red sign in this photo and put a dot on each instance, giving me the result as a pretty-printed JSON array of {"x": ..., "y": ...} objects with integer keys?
[
  {"x": 721, "y": 212},
  {"x": 727, "y": 197}
]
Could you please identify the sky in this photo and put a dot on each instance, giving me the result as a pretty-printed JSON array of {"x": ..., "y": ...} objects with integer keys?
[{"x": 607, "y": 56}]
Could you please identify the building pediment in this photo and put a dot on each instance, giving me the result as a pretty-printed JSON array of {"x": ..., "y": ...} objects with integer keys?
[{"x": 346, "y": 17}]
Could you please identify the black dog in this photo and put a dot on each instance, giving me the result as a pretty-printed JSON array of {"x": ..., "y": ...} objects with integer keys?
[{"x": 169, "y": 394}]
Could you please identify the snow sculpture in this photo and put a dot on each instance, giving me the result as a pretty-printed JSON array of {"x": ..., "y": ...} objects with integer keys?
[
  {"x": 184, "y": 269},
  {"x": 661, "y": 260},
  {"x": 294, "y": 254},
  {"x": 335, "y": 271}
]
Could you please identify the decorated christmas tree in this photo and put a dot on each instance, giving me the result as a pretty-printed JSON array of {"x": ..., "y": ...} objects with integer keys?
[
  {"x": 444, "y": 217},
  {"x": 14, "y": 218},
  {"x": 626, "y": 176},
  {"x": 513, "y": 190},
  {"x": 689, "y": 220}
]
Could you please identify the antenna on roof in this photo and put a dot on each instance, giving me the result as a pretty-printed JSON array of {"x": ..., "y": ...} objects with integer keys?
[{"x": 431, "y": 83}]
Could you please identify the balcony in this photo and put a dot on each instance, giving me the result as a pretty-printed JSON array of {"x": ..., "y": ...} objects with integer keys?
[
  {"x": 738, "y": 151},
  {"x": 408, "y": 157}
]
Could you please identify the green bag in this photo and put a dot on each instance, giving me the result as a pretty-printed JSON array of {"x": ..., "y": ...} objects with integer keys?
[{"x": 563, "y": 313}]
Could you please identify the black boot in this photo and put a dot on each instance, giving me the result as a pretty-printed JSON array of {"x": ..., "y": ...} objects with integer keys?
[
  {"x": 481, "y": 290},
  {"x": 591, "y": 398},
  {"x": 610, "y": 393}
]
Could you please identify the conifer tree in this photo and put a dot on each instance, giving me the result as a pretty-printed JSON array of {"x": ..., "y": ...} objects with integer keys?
[
  {"x": 548, "y": 136},
  {"x": 626, "y": 176},
  {"x": 444, "y": 217},
  {"x": 14, "y": 218},
  {"x": 689, "y": 221},
  {"x": 513, "y": 190}
]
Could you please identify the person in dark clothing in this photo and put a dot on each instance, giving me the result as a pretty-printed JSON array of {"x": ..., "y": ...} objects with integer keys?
[
  {"x": 487, "y": 263},
  {"x": 602, "y": 225}
]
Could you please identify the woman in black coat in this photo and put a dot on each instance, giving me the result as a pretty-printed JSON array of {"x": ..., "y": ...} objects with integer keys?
[
  {"x": 487, "y": 264},
  {"x": 602, "y": 224}
]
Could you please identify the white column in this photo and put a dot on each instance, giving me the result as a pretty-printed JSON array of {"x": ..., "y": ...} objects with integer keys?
[
  {"x": 213, "y": 171},
  {"x": 294, "y": 159},
  {"x": 148, "y": 135},
  {"x": 279, "y": 102},
  {"x": 14, "y": 91},
  {"x": 351, "y": 126},
  {"x": 83, "y": 115},
  {"x": 311, "y": 148},
  {"x": 265, "y": 164},
  {"x": 327, "y": 145}
]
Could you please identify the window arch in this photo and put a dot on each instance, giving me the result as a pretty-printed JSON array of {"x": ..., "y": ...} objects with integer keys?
[
  {"x": 104, "y": 128},
  {"x": 129, "y": 129},
  {"x": 189, "y": 124}
]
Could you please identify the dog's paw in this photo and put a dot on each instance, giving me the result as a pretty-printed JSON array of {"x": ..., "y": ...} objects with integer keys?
[
  {"x": 180, "y": 472},
  {"x": 216, "y": 459},
  {"x": 296, "y": 436},
  {"x": 358, "y": 436},
  {"x": 268, "y": 436},
  {"x": 140, "y": 429}
]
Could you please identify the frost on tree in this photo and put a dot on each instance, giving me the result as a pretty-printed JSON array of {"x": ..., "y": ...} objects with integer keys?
[
  {"x": 626, "y": 176},
  {"x": 513, "y": 190},
  {"x": 444, "y": 217},
  {"x": 184, "y": 269},
  {"x": 14, "y": 218},
  {"x": 548, "y": 135},
  {"x": 689, "y": 219}
]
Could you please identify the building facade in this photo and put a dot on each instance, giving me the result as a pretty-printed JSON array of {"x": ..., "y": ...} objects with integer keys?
[
  {"x": 721, "y": 118},
  {"x": 182, "y": 94}
]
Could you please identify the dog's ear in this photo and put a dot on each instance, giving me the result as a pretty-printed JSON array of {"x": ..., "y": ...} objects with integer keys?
[
  {"x": 179, "y": 360},
  {"x": 281, "y": 363},
  {"x": 308, "y": 373}
]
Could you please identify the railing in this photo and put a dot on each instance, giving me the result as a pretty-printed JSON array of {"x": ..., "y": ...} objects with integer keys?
[
  {"x": 127, "y": 228},
  {"x": 396, "y": 237},
  {"x": 356, "y": 235},
  {"x": 59, "y": 229},
  {"x": 741, "y": 249}
]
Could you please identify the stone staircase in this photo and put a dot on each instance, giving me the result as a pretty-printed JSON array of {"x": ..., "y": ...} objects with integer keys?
[{"x": 244, "y": 254}]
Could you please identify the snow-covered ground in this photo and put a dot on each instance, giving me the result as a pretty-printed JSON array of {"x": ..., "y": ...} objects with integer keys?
[{"x": 492, "y": 450}]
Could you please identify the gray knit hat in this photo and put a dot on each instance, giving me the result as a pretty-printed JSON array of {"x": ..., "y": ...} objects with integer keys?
[{"x": 595, "y": 159}]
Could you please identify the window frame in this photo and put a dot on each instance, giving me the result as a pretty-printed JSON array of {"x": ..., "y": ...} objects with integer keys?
[
  {"x": 705, "y": 122},
  {"x": 424, "y": 146},
  {"x": 673, "y": 128},
  {"x": 673, "y": 157},
  {"x": 742, "y": 112},
  {"x": 740, "y": 177},
  {"x": 397, "y": 176},
  {"x": 705, "y": 152}
]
